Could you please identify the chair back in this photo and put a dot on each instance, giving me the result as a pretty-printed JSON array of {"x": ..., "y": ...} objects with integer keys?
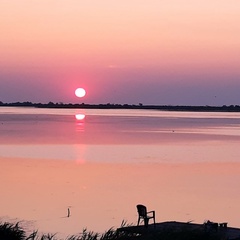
[{"x": 142, "y": 210}]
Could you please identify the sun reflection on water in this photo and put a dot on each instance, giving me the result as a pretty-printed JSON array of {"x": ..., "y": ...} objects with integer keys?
[
  {"x": 80, "y": 117},
  {"x": 80, "y": 152}
]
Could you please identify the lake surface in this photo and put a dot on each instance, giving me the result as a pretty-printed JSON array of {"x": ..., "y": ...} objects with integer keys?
[{"x": 101, "y": 163}]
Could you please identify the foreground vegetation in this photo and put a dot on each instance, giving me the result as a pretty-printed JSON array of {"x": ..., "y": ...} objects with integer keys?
[{"x": 9, "y": 231}]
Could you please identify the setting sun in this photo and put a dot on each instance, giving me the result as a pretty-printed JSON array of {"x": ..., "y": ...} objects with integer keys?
[{"x": 80, "y": 92}]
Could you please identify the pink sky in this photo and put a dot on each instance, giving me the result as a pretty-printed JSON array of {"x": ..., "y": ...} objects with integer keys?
[{"x": 153, "y": 52}]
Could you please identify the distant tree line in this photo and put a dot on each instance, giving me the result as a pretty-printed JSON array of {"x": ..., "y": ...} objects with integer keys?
[{"x": 224, "y": 108}]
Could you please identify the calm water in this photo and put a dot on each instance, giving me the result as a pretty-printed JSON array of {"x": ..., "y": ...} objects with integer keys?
[{"x": 101, "y": 163}]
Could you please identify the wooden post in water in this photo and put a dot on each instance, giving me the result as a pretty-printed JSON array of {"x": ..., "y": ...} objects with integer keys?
[{"x": 68, "y": 212}]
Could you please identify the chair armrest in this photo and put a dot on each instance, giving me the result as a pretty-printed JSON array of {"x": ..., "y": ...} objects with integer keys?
[{"x": 153, "y": 213}]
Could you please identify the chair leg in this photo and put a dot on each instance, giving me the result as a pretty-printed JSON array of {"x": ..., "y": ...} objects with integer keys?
[
  {"x": 154, "y": 219},
  {"x": 146, "y": 222},
  {"x": 138, "y": 221}
]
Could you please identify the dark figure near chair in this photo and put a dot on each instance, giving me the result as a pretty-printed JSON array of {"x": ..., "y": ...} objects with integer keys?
[{"x": 144, "y": 215}]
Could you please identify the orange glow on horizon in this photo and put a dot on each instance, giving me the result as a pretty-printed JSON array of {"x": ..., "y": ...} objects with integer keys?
[{"x": 178, "y": 41}]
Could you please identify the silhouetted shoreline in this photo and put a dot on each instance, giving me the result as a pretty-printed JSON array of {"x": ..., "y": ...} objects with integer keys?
[
  {"x": 224, "y": 108},
  {"x": 164, "y": 230}
]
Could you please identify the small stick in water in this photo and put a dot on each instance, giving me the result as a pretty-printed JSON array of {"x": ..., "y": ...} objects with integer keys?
[{"x": 68, "y": 212}]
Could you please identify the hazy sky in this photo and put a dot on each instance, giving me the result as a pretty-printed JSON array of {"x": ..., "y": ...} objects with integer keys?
[{"x": 177, "y": 52}]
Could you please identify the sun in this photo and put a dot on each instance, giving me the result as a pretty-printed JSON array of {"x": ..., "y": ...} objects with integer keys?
[{"x": 80, "y": 92}]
